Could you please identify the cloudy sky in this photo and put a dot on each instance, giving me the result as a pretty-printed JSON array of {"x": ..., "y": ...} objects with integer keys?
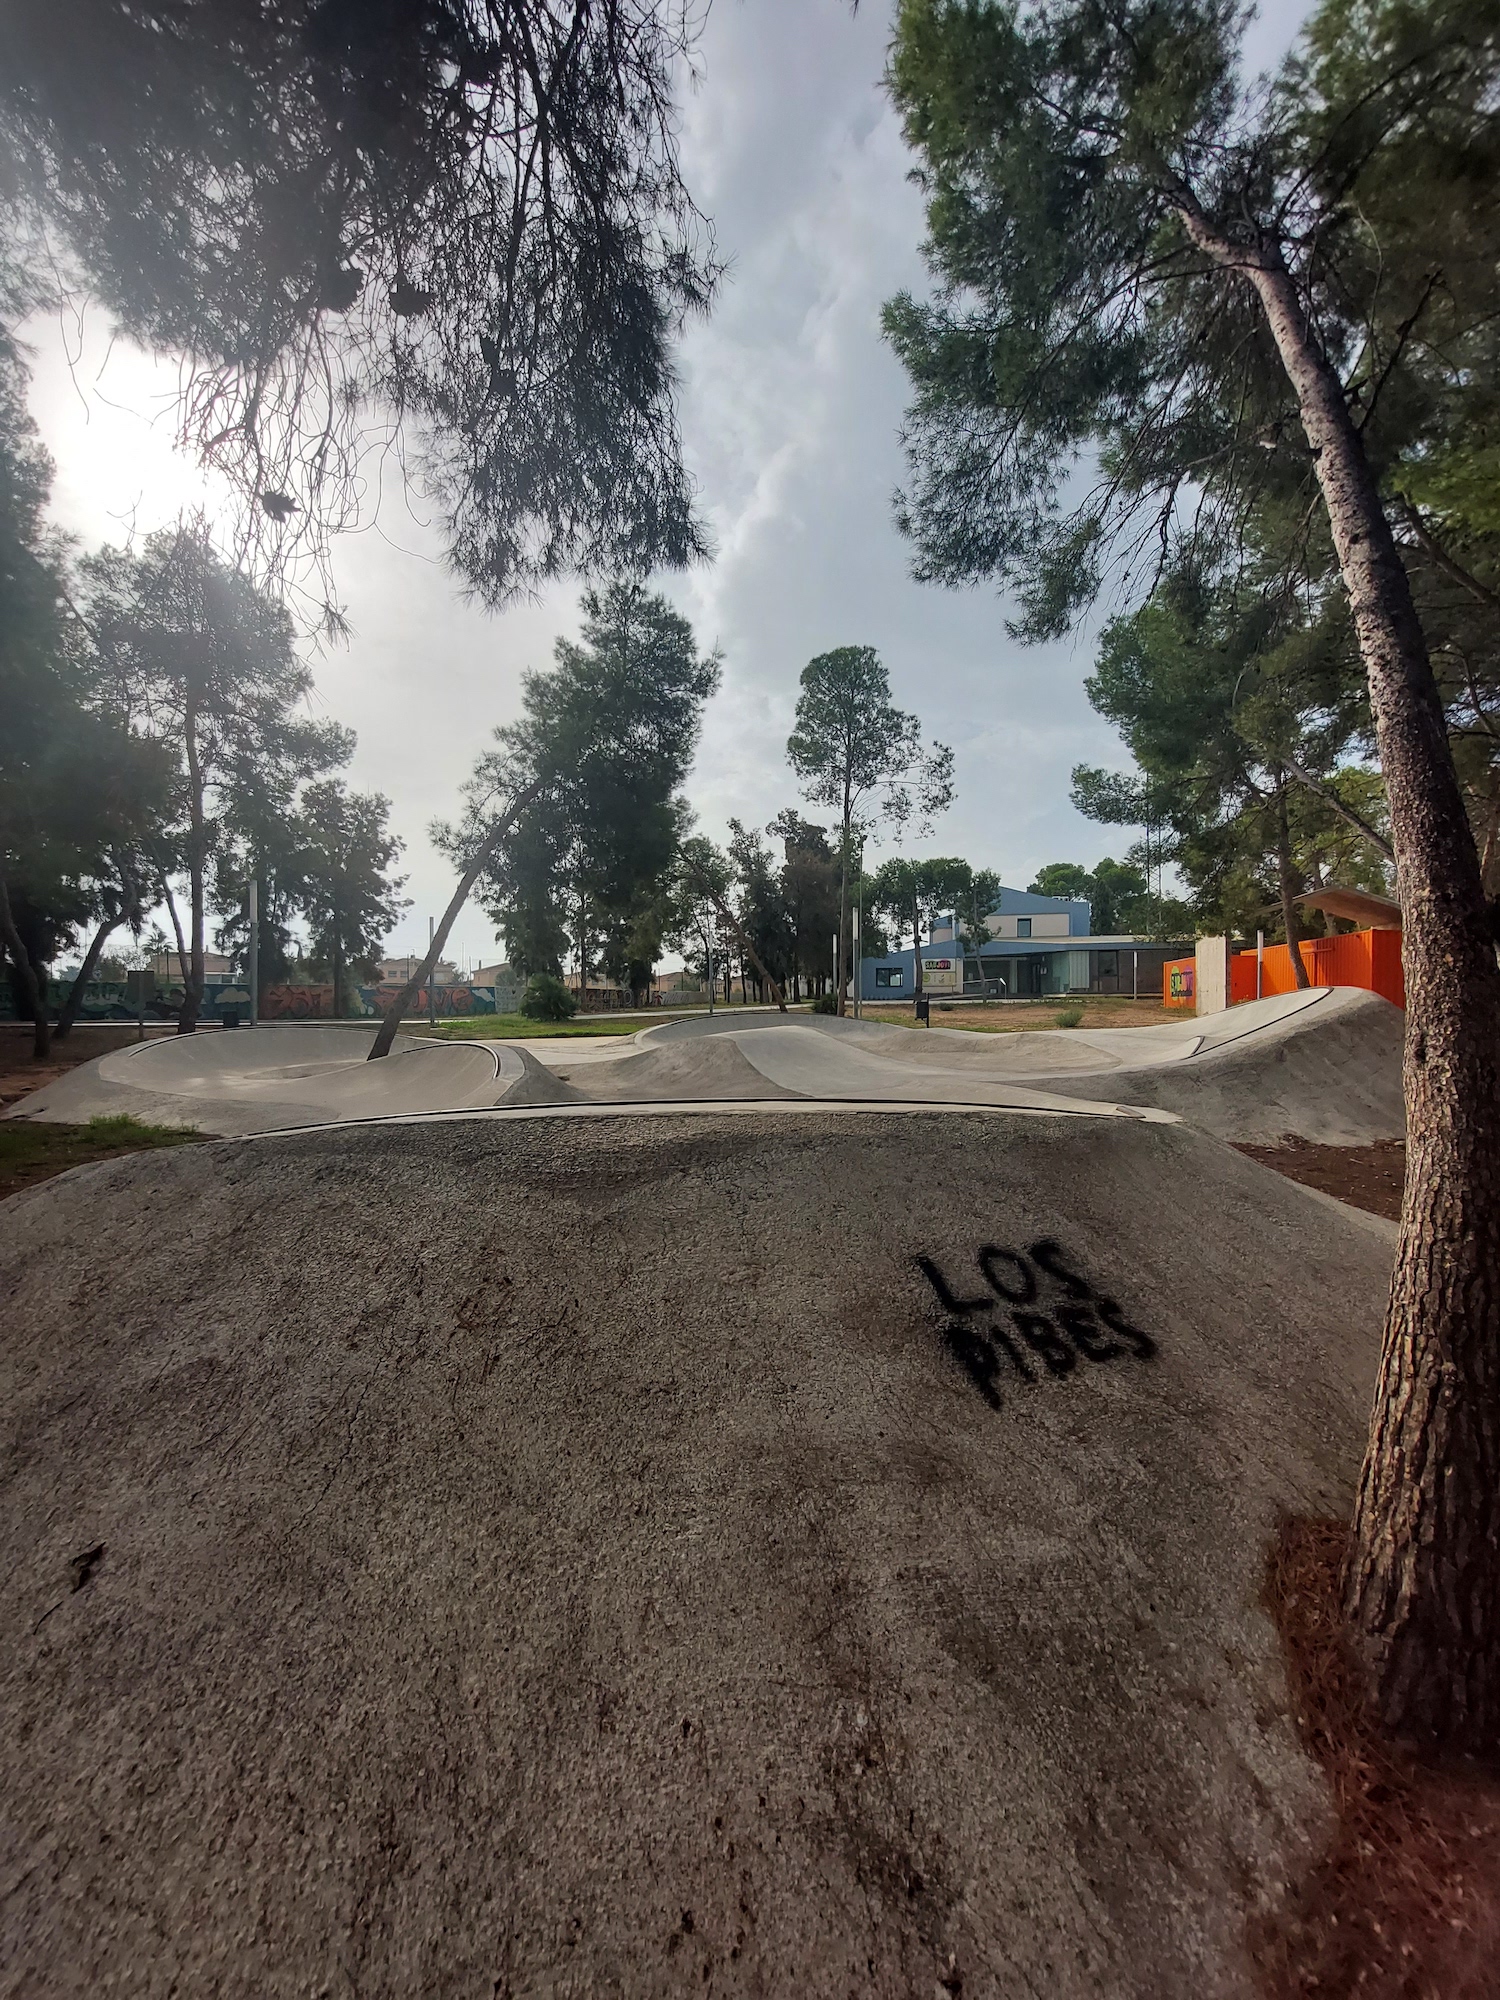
[{"x": 791, "y": 408}]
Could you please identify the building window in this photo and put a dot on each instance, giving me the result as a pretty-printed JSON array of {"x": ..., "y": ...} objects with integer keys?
[
  {"x": 1023, "y": 927},
  {"x": 889, "y": 975},
  {"x": 1109, "y": 965}
]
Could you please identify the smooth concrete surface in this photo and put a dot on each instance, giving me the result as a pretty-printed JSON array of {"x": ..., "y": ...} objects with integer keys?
[
  {"x": 548, "y": 1554},
  {"x": 1324, "y": 1064},
  {"x": 263, "y": 1079}
]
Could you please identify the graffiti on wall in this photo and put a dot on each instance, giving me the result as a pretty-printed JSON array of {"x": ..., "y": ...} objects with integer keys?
[
  {"x": 1033, "y": 1317},
  {"x": 107, "y": 1000}
]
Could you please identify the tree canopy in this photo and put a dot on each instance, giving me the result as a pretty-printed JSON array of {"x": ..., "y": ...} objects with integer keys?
[
  {"x": 586, "y": 786},
  {"x": 80, "y": 786},
  {"x": 454, "y": 224},
  {"x": 855, "y": 751},
  {"x": 206, "y": 664}
]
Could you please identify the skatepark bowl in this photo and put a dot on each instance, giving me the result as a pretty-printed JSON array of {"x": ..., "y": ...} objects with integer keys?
[{"x": 762, "y": 1507}]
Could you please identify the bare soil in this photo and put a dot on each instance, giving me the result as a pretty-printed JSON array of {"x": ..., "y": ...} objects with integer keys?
[
  {"x": 1368, "y": 1177},
  {"x": 1405, "y": 1902}
]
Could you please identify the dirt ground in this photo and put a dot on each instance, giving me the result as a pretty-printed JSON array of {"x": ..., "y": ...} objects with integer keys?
[
  {"x": 1011, "y": 1017},
  {"x": 1403, "y": 1903},
  {"x": 1368, "y": 1177},
  {"x": 21, "y": 1073}
]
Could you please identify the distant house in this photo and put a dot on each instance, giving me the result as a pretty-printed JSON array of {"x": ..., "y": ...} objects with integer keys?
[
  {"x": 396, "y": 972},
  {"x": 599, "y": 996},
  {"x": 1033, "y": 946},
  {"x": 168, "y": 968}
]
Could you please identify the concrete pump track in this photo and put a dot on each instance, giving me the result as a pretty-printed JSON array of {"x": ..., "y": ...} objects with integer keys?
[{"x": 488, "y": 1541}]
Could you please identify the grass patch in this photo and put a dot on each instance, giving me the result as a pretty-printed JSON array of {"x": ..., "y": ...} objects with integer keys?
[
  {"x": 518, "y": 1027},
  {"x": 35, "y": 1152},
  {"x": 1070, "y": 1017}
]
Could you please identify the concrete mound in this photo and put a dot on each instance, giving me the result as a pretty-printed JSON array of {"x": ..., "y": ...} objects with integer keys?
[
  {"x": 1330, "y": 1073},
  {"x": 537, "y": 1084},
  {"x": 703, "y": 1069},
  {"x": 786, "y": 1552}
]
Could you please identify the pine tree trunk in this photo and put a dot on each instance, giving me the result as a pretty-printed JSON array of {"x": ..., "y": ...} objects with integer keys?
[
  {"x": 31, "y": 985},
  {"x": 69, "y": 1012},
  {"x": 1423, "y": 1581},
  {"x": 846, "y": 830},
  {"x": 1286, "y": 884},
  {"x": 192, "y": 1002},
  {"x": 396, "y": 1013}
]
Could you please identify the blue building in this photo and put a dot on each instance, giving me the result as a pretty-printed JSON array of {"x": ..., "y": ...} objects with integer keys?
[{"x": 1033, "y": 945}]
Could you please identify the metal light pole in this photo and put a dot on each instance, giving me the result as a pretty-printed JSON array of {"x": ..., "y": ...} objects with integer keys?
[
  {"x": 708, "y": 946},
  {"x": 254, "y": 954},
  {"x": 857, "y": 968},
  {"x": 431, "y": 976}
]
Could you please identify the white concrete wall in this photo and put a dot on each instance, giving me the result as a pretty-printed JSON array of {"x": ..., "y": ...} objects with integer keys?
[{"x": 1211, "y": 980}]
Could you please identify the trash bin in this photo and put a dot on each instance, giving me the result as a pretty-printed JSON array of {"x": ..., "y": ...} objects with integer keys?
[
  {"x": 230, "y": 1017},
  {"x": 924, "y": 1011}
]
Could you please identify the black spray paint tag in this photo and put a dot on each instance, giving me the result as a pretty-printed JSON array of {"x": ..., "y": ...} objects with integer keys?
[{"x": 1036, "y": 1318}]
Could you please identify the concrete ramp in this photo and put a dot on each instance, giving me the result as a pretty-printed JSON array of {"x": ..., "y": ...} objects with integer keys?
[
  {"x": 760, "y": 1552},
  {"x": 264, "y": 1079},
  {"x": 1322, "y": 1065},
  {"x": 1328, "y": 1071}
]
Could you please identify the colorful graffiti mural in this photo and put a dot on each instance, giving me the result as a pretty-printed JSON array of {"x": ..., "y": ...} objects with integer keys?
[{"x": 106, "y": 1000}]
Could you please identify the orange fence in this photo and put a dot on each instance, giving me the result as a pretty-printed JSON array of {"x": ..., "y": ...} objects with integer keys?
[{"x": 1371, "y": 959}]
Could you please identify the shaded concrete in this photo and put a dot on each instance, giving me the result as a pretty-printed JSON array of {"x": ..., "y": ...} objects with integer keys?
[
  {"x": 1331, "y": 1075},
  {"x": 552, "y": 1554}
]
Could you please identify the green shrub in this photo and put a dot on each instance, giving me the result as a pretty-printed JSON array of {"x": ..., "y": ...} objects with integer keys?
[
  {"x": 1070, "y": 1017},
  {"x": 547, "y": 999},
  {"x": 827, "y": 1003}
]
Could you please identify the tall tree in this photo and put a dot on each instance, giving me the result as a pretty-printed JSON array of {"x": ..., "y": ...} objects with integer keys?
[
  {"x": 78, "y": 787},
  {"x": 463, "y": 215},
  {"x": 349, "y": 898},
  {"x": 810, "y": 896},
  {"x": 206, "y": 661},
  {"x": 914, "y": 893},
  {"x": 1148, "y": 266},
  {"x": 760, "y": 910},
  {"x": 587, "y": 783},
  {"x": 1238, "y": 708},
  {"x": 856, "y": 751}
]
